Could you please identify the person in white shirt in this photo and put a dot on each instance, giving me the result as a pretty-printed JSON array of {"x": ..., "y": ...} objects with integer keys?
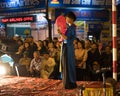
[{"x": 35, "y": 64}]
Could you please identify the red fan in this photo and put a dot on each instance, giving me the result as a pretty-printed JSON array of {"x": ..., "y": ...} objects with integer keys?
[{"x": 61, "y": 24}]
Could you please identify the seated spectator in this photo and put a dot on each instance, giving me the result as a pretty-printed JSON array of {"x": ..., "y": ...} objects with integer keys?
[
  {"x": 87, "y": 45},
  {"x": 40, "y": 47},
  {"x": 106, "y": 57},
  {"x": 56, "y": 74},
  {"x": 106, "y": 60},
  {"x": 93, "y": 62},
  {"x": 18, "y": 54},
  {"x": 47, "y": 66},
  {"x": 25, "y": 60},
  {"x": 51, "y": 49},
  {"x": 81, "y": 57},
  {"x": 32, "y": 43},
  {"x": 35, "y": 64},
  {"x": 28, "y": 49}
]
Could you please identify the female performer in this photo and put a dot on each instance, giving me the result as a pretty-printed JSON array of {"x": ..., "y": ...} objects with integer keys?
[{"x": 68, "y": 56}]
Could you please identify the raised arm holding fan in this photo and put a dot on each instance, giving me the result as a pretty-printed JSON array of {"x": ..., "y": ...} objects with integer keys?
[{"x": 61, "y": 26}]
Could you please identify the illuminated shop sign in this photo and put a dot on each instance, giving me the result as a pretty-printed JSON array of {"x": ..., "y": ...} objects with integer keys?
[
  {"x": 86, "y": 14},
  {"x": 12, "y": 5},
  {"x": 79, "y": 3},
  {"x": 94, "y": 15},
  {"x": 55, "y": 3},
  {"x": 19, "y": 19}
]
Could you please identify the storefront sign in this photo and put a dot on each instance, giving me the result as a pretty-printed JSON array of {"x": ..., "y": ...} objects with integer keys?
[
  {"x": 18, "y": 19},
  {"x": 55, "y": 3},
  {"x": 94, "y": 15},
  {"x": 79, "y": 3},
  {"x": 87, "y": 14},
  {"x": 20, "y": 5}
]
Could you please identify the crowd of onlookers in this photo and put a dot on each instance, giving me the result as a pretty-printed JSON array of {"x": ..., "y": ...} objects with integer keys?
[{"x": 42, "y": 58}]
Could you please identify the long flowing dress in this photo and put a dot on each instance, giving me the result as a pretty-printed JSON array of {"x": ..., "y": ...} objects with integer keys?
[{"x": 68, "y": 59}]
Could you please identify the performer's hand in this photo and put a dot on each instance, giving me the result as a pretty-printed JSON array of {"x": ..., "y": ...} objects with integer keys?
[{"x": 59, "y": 31}]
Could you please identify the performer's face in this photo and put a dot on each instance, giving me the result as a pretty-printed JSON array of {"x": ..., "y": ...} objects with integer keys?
[{"x": 69, "y": 20}]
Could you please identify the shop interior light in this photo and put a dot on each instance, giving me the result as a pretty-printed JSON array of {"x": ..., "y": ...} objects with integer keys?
[
  {"x": 85, "y": 8},
  {"x": 3, "y": 70},
  {"x": 6, "y": 59},
  {"x": 90, "y": 37}
]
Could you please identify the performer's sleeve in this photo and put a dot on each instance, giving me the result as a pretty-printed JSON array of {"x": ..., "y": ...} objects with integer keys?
[{"x": 72, "y": 34}]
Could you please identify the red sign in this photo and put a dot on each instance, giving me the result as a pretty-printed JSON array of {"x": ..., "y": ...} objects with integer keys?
[{"x": 18, "y": 19}]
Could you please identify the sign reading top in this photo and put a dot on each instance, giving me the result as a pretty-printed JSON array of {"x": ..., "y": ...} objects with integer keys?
[
  {"x": 18, "y": 19},
  {"x": 14, "y": 5}
]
